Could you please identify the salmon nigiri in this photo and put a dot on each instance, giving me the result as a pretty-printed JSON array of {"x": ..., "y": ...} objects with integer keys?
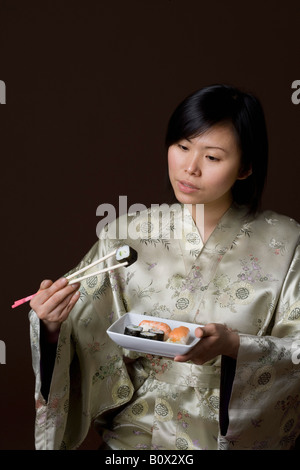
[
  {"x": 179, "y": 335},
  {"x": 157, "y": 325}
]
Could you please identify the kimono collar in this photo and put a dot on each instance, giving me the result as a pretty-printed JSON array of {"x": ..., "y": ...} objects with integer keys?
[
  {"x": 195, "y": 252},
  {"x": 223, "y": 234}
]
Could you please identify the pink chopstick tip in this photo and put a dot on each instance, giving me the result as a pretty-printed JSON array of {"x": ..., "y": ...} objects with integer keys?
[{"x": 22, "y": 301}]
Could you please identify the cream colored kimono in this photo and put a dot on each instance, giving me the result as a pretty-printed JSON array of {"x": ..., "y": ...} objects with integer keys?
[{"x": 247, "y": 275}]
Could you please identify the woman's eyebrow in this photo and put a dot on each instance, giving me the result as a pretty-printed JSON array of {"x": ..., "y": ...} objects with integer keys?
[
  {"x": 215, "y": 147},
  {"x": 208, "y": 146}
]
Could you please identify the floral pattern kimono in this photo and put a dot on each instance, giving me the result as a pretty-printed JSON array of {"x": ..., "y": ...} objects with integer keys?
[{"x": 247, "y": 276}]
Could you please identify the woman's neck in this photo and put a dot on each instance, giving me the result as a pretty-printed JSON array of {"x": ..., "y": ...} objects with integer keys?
[{"x": 213, "y": 212}]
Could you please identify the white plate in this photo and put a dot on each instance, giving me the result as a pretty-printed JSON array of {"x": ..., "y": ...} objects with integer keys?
[{"x": 150, "y": 346}]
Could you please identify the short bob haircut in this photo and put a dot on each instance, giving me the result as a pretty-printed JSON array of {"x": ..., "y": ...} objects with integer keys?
[{"x": 219, "y": 104}]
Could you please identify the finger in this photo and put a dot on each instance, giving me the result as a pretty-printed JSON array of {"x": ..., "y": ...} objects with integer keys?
[
  {"x": 73, "y": 301},
  {"x": 46, "y": 293},
  {"x": 184, "y": 358},
  {"x": 47, "y": 288},
  {"x": 210, "y": 329},
  {"x": 49, "y": 298},
  {"x": 62, "y": 310},
  {"x": 60, "y": 297},
  {"x": 45, "y": 284},
  {"x": 195, "y": 358},
  {"x": 193, "y": 354},
  {"x": 57, "y": 291},
  {"x": 200, "y": 332}
]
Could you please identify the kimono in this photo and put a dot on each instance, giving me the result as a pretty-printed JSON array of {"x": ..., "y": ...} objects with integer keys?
[{"x": 246, "y": 275}]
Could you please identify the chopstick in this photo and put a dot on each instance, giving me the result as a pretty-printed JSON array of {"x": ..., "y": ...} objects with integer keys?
[
  {"x": 22, "y": 301},
  {"x": 91, "y": 265},
  {"x": 85, "y": 268},
  {"x": 98, "y": 272}
]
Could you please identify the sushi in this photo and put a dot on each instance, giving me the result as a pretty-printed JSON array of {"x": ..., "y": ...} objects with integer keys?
[
  {"x": 159, "y": 331},
  {"x": 148, "y": 335},
  {"x": 126, "y": 253},
  {"x": 179, "y": 335},
  {"x": 133, "y": 330},
  {"x": 138, "y": 332},
  {"x": 160, "y": 335},
  {"x": 151, "y": 324}
]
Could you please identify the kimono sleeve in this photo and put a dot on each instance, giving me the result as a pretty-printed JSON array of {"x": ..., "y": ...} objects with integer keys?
[
  {"x": 264, "y": 407},
  {"x": 89, "y": 375},
  {"x": 51, "y": 414}
]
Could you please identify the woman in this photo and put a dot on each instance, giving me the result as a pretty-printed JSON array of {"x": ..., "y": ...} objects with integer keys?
[{"x": 238, "y": 275}]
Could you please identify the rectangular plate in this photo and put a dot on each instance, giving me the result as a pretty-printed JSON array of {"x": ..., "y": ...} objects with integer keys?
[{"x": 150, "y": 346}]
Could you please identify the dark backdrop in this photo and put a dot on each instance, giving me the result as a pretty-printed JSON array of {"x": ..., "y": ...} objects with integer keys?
[{"x": 90, "y": 87}]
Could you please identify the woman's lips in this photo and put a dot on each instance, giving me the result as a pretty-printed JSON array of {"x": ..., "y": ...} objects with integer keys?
[{"x": 187, "y": 187}]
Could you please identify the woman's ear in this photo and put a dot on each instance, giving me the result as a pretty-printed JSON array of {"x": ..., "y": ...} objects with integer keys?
[{"x": 244, "y": 174}]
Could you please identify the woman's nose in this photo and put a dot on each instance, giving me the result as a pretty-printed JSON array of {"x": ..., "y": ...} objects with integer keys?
[{"x": 193, "y": 168}]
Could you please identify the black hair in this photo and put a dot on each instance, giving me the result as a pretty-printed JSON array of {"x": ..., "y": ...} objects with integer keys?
[{"x": 218, "y": 104}]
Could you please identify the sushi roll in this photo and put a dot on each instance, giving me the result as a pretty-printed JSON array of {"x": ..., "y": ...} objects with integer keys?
[
  {"x": 126, "y": 253},
  {"x": 148, "y": 324},
  {"x": 179, "y": 335},
  {"x": 159, "y": 334},
  {"x": 133, "y": 330},
  {"x": 148, "y": 335}
]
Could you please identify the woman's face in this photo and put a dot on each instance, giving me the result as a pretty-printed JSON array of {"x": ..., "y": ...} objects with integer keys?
[{"x": 203, "y": 169}]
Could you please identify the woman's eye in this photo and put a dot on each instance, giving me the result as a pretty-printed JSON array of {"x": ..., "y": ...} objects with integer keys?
[
  {"x": 182, "y": 147},
  {"x": 212, "y": 159}
]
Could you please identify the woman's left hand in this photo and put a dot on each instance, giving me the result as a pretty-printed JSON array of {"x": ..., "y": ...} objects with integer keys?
[{"x": 216, "y": 339}]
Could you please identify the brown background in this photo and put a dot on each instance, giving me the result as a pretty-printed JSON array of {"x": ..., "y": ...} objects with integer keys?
[{"x": 90, "y": 87}]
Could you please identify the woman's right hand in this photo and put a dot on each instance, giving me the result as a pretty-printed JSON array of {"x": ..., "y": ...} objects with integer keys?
[{"x": 53, "y": 303}]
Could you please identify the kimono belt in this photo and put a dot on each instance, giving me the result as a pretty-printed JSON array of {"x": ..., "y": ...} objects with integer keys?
[
  {"x": 183, "y": 373},
  {"x": 177, "y": 407}
]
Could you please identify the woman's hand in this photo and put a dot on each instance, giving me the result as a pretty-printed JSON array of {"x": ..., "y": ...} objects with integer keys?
[
  {"x": 216, "y": 339},
  {"x": 53, "y": 303}
]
